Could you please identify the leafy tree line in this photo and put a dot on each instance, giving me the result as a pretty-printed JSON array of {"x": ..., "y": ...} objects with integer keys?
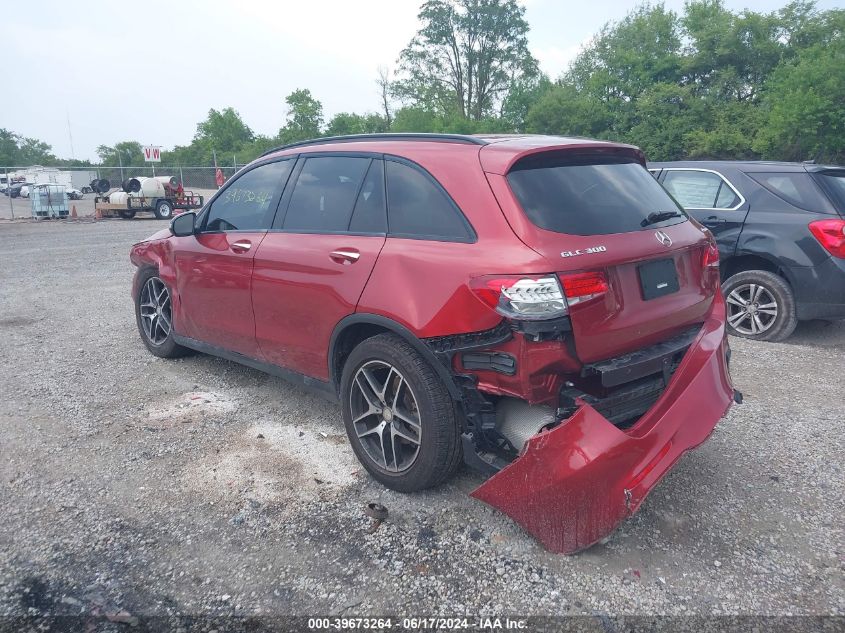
[{"x": 703, "y": 83}]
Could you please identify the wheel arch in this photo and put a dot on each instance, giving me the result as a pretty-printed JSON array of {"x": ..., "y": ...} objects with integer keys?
[
  {"x": 748, "y": 262},
  {"x": 355, "y": 328}
]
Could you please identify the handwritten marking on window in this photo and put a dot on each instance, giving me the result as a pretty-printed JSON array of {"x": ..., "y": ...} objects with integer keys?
[{"x": 235, "y": 195}]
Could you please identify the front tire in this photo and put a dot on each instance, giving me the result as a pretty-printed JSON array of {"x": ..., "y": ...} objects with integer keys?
[
  {"x": 164, "y": 210},
  {"x": 399, "y": 417},
  {"x": 760, "y": 306},
  {"x": 154, "y": 315}
]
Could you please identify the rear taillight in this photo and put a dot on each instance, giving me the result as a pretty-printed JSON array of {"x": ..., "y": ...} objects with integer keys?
[
  {"x": 710, "y": 259},
  {"x": 580, "y": 287},
  {"x": 530, "y": 298},
  {"x": 831, "y": 235},
  {"x": 538, "y": 297}
]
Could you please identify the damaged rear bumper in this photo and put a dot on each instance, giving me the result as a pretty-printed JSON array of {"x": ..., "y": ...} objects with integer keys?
[{"x": 573, "y": 485}]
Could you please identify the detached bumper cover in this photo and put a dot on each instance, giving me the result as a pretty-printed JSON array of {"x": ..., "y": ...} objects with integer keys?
[{"x": 574, "y": 484}]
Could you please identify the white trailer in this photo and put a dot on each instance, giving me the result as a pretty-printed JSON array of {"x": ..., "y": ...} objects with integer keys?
[
  {"x": 81, "y": 179},
  {"x": 36, "y": 174}
]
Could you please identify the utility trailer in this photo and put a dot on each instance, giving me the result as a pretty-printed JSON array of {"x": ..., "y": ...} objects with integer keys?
[
  {"x": 161, "y": 208},
  {"x": 162, "y": 196}
]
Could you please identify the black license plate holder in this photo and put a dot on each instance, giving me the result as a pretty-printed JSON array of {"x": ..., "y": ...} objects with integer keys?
[{"x": 658, "y": 278}]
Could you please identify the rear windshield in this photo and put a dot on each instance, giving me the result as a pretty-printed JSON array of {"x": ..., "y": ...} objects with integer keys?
[
  {"x": 590, "y": 195},
  {"x": 834, "y": 182}
]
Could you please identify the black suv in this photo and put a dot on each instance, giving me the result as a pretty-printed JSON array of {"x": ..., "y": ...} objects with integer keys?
[{"x": 781, "y": 236}]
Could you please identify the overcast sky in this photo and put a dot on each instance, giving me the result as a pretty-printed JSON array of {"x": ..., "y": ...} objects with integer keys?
[{"x": 152, "y": 72}]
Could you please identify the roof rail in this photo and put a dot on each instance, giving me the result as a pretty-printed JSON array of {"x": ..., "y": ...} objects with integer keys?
[{"x": 394, "y": 136}]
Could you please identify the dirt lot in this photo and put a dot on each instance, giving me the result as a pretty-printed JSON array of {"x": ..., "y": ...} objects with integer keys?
[{"x": 202, "y": 487}]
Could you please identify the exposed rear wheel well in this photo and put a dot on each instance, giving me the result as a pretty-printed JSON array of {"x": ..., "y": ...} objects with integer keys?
[
  {"x": 348, "y": 340},
  {"x": 743, "y": 263}
]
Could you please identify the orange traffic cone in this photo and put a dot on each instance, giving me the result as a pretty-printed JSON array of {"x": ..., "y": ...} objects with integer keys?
[
  {"x": 73, "y": 212},
  {"x": 98, "y": 215}
]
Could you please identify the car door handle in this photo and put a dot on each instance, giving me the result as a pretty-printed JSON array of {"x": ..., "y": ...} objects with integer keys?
[
  {"x": 345, "y": 256},
  {"x": 241, "y": 246},
  {"x": 714, "y": 220}
]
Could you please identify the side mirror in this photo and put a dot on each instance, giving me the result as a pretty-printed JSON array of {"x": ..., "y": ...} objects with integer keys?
[{"x": 183, "y": 224}]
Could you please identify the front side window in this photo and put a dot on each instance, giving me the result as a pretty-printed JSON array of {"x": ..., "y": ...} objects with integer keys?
[
  {"x": 589, "y": 195},
  {"x": 700, "y": 189},
  {"x": 418, "y": 208},
  {"x": 325, "y": 194},
  {"x": 248, "y": 203}
]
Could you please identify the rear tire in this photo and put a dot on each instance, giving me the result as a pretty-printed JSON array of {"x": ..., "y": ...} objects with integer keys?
[
  {"x": 164, "y": 210},
  {"x": 154, "y": 316},
  {"x": 761, "y": 306},
  {"x": 408, "y": 436},
  {"x": 126, "y": 214}
]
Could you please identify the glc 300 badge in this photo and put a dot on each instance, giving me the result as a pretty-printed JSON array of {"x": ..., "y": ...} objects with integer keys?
[{"x": 584, "y": 251}]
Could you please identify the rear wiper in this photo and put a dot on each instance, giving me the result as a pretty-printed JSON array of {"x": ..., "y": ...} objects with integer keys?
[{"x": 655, "y": 217}]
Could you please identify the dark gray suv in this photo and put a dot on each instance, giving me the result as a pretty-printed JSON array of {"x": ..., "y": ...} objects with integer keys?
[{"x": 780, "y": 228}]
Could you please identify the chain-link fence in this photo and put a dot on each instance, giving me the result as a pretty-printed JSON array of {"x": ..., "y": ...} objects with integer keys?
[{"x": 191, "y": 177}]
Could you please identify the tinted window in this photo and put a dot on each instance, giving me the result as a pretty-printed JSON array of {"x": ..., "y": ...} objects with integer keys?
[
  {"x": 325, "y": 194},
  {"x": 246, "y": 204},
  {"x": 418, "y": 207},
  {"x": 700, "y": 189},
  {"x": 588, "y": 195},
  {"x": 369, "y": 214},
  {"x": 835, "y": 183},
  {"x": 797, "y": 188}
]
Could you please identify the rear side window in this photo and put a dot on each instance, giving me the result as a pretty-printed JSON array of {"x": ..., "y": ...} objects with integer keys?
[
  {"x": 797, "y": 188},
  {"x": 325, "y": 194},
  {"x": 370, "y": 215},
  {"x": 247, "y": 203},
  {"x": 834, "y": 182},
  {"x": 417, "y": 207},
  {"x": 694, "y": 189},
  {"x": 588, "y": 195}
]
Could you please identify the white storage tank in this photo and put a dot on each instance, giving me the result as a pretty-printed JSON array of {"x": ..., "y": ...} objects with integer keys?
[{"x": 150, "y": 188}]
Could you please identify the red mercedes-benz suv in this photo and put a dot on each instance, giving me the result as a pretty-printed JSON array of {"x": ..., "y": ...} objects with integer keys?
[{"x": 538, "y": 307}]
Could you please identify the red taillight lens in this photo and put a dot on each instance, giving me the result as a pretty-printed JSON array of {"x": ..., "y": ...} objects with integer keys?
[
  {"x": 580, "y": 287},
  {"x": 831, "y": 235},
  {"x": 711, "y": 256}
]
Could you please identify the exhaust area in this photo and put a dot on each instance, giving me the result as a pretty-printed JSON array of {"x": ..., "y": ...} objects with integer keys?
[{"x": 518, "y": 421}]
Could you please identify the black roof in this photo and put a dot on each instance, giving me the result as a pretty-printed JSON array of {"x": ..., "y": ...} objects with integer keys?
[
  {"x": 743, "y": 165},
  {"x": 401, "y": 136}
]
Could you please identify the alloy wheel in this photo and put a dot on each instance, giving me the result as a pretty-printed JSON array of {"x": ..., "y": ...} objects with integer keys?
[
  {"x": 155, "y": 310},
  {"x": 752, "y": 309},
  {"x": 385, "y": 416}
]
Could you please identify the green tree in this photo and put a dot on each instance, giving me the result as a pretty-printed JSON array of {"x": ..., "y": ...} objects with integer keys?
[
  {"x": 346, "y": 123},
  {"x": 224, "y": 131},
  {"x": 304, "y": 117},
  {"x": 522, "y": 94},
  {"x": 129, "y": 153},
  {"x": 465, "y": 56},
  {"x": 566, "y": 111},
  {"x": 19, "y": 151},
  {"x": 804, "y": 104},
  {"x": 664, "y": 115},
  {"x": 415, "y": 119}
]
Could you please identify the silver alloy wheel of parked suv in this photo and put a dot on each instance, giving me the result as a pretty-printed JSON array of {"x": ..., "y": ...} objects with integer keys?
[{"x": 752, "y": 309}]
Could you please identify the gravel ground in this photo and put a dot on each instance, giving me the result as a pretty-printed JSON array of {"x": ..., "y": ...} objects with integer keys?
[{"x": 201, "y": 487}]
